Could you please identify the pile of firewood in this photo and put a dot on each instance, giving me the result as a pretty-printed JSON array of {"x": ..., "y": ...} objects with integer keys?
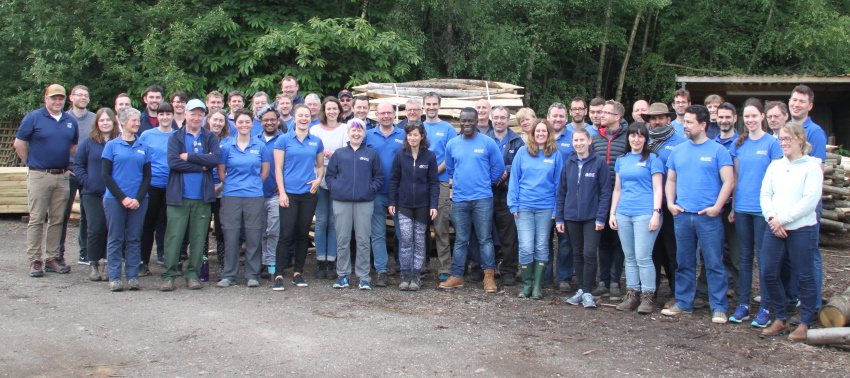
[{"x": 836, "y": 193}]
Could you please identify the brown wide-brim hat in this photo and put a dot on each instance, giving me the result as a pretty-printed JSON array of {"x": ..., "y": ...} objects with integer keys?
[{"x": 658, "y": 108}]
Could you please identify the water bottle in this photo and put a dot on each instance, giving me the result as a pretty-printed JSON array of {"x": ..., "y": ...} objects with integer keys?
[{"x": 205, "y": 270}]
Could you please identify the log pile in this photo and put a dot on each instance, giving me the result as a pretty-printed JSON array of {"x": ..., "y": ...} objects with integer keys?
[
  {"x": 456, "y": 94},
  {"x": 13, "y": 192},
  {"x": 836, "y": 193},
  {"x": 836, "y": 312}
]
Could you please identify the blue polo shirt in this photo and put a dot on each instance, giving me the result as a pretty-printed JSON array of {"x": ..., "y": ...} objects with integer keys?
[
  {"x": 314, "y": 123},
  {"x": 290, "y": 125},
  {"x": 587, "y": 127},
  {"x": 49, "y": 140},
  {"x": 243, "y": 168},
  {"x": 728, "y": 142},
  {"x": 299, "y": 161},
  {"x": 127, "y": 165},
  {"x": 439, "y": 134},
  {"x": 817, "y": 137},
  {"x": 636, "y": 183},
  {"x": 753, "y": 158},
  {"x": 157, "y": 142},
  {"x": 475, "y": 165},
  {"x": 387, "y": 146},
  {"x": 697, "y": 168},
  {"x": 565, "y": 143},
  {"x": 270, "y": 185},
  {"x": 193, "y": 181}
]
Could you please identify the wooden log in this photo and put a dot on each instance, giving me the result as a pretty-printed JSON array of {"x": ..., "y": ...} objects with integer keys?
[
  {"x": 827, "y": 169},
  {"x": 833, "y": 215},
  {"x": 827, "y": 197},
  {"x": 836, "y": 190},
  {"x": 845, "y": 210},
  {"x": 829, "y": 182},
  {"x": 842, "y": 203},
  {"x": 836, "y": 312},
  {"x": 826, "y": 336},
  {"x": 832, "y": 225},
  {"x": 828, "y": 204},
  {"x": 830, "y": 155}
]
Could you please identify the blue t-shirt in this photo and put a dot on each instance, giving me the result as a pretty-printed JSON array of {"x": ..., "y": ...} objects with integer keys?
[
  {"x": 474, "y": 164},
  {"x": 679, "y": 128},
  {"x": 636, "y": 183},
  {"x": 193, "y": 181},
  {"x": 299, "y": 161},
  {"x": 49, "y": 140},
  {"x": 665, "y": 150},
  {"x": 387, "y": 146},
  {"x": 127, "y": 165},
  {"x": 587, "y": 127},
  {"x": 534, "y": 180},
  {"x": 753, "y": 158},
  {"x": 157, "y": 142},
  {"x": 290, "y": 125},
  {"x": 270, "y": 185},
  {"x": 243, "y": 168},
  {"x": 565, "y": 143},
  {"x": 438, "y": 135},
  {"x": 817, "y": 137},
  {"x": 697, "y": 168}
]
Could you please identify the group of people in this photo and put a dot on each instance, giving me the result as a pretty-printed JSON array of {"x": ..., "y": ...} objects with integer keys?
[{"x": 647, "y": 197}]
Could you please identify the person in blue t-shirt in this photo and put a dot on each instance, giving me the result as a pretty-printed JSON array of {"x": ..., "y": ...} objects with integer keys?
[
  {"x": 535, "y": 171},
  {"x": 243, "y": 166},
  {"x": 752, "y": 153},
  {"x": 126, "y": 171},
  {"x": 88, "y": 163},
  {"x": 270, "y": 117},
  {"x": 636, "y": 215},
  {"x": 700, "y": 179},
  {"x": 284, "y": 108},
  {"x": 299, "y": 167},
  {"x": 156, "y": 140},
  {"x": 474, "y": 162},
  {"x": 681, "y": 101},
  {"x": 439, "y": 134}
]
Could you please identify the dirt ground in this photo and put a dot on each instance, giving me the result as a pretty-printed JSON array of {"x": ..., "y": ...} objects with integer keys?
[{"x": 64, "y": 325}]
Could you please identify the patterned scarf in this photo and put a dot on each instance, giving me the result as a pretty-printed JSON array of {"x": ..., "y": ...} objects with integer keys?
[{"x": 659, "y": 135}]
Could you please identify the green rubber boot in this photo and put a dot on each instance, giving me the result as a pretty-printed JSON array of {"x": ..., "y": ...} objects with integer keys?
[
  {"x": 539, "y": 273},
  {"x": 526, "y": 272}
]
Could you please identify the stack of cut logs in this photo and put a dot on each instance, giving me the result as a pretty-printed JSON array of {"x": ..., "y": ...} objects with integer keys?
[
  {"x": 836, "y": 193},
  {"x": 13, "y": 190}
]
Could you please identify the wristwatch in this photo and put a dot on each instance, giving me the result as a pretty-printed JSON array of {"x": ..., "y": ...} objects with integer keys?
[{"x": 657, "y": 211}]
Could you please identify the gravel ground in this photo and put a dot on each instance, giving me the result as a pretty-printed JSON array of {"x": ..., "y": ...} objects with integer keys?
[{"x": 64, "y": 325}]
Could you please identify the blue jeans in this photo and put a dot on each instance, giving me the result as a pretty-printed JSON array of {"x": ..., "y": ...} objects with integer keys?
[
  {"x": 124, "y": 238},
  {"x": 707, "y": 232},
  {"x": 750, "y": 230},
  {"x": 379, "y": 232},
  {"x": 818, "y": 260},
  {"x": 465, "y": 216},
  {"x": 532, "y": 228},
  {"x": 325, "y": 235},
  {"x": 637, "y": 242},
  {"x": 800, "y": 247}
]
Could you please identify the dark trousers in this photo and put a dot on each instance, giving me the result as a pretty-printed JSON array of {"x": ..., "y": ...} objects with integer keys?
[
  {"x": 611, "y": 257},
  {"x": 74, "y": 186},
  {"x": 800, "y": 247},
  {"x": 96, "y": 231},
  {"x": 664, "y": 251},
  {"x": 295, "y": 225},
  {"x": 155, "y": 215},
  {"x": 585, "y": 240},
  {"x": 506, "y": 228}
]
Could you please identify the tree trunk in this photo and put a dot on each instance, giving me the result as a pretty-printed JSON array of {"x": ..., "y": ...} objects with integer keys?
[
  {"x": 836, "y": 312},
  {"x": 603, "y": 50},
  {"x": 625, "y": 65},
  {"x": 645, "y": 35}
]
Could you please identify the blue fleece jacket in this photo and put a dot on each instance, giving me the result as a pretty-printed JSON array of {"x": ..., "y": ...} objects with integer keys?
[
  {"x": 584, "y": 192},
  {"x": 533, "y": 180},
  {"x": 354, "y": 175},
  {"x": 474, "y": 165},
  {"x": 208, "y": 158},
  {"x": 414, "y": 183},
  {"x": 88, "y": 165}
]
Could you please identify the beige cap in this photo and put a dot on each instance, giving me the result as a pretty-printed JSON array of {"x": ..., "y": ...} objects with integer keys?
[{"x": 55, "y": 90}]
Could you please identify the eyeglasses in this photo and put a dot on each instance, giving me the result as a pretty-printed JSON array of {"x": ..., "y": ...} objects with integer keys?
[
  {"x": 610, "y": 113},
  {"x": 680, "y": 103},
  {"x": 786, "y": 139},
  {"x": 577, "y": 109}
]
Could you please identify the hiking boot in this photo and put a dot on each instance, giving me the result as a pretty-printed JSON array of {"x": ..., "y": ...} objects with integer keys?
[
  {"x": 600, "y": 291},
  {"x": 564, "y": 287},
  {"x": 670, "y": 302},
  {"x": 576, "y": 298},
  {"x": 779, "y": 327},
  {"x": 490, "y": 281},
  {"x": 741, "y": 313},
  {"x": 452, "y": 283},
  {"x": 94, "y": 274},
  {"x": 104, "y": 270},
  {"x": 264, "y": 271},
  {"x": 381, "y": 280},
  {"x": 116, "y": 285},
  {"x": 800, "y": 334},
  {"x": 414, "y": 283},
  {"x": 614, "y": 293},
  {"x": 56, "y": 266},
  {"x": 762, "y": 319},
  {"x": 647, "y": 304},
  {"x": 36, "y": 269},
  {"x": 630, "y": 301},
  {"x": 321, "y": 272},
  {"x": 700, "y": 303},
  {"x": 144, "y": 270},
  {"x": 167, "y": 285},
  {"x": 405, "y": 282},
  {"x": 719, "y": 318},
  {"x": 527, "y": 281},
  {"x": 133, "y": 284},
  {"x": 539, "y": 273},
  {"x": 587, "y": 300},
  {"x": 194, "y": 284},
  {"x": 509, "y": 279},
  {"x": 330, "y": 270},
  {"x": 674, "y": 310},
  {"x": 475, "y": 275}
]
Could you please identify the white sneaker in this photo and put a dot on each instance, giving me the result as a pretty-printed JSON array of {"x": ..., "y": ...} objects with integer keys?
[
  {"x": 576, "y": 298},
  {"x": 587, "y": 300},
  {"x": 719, "y": 318}
]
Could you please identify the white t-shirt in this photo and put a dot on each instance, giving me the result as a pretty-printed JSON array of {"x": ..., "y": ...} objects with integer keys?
[{"x": 332, "y": 140}]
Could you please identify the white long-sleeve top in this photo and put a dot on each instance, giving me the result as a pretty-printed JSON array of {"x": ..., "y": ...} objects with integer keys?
[{"x": 790, "y": 191}]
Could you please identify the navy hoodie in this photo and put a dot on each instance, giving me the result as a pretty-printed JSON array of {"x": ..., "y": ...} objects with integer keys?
[
  {"x": 414, "y": 183},
  {"x": 195, "y": 162},
  {"x": 584, "y": 195},
  {"x": 354, "y": 176}
]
